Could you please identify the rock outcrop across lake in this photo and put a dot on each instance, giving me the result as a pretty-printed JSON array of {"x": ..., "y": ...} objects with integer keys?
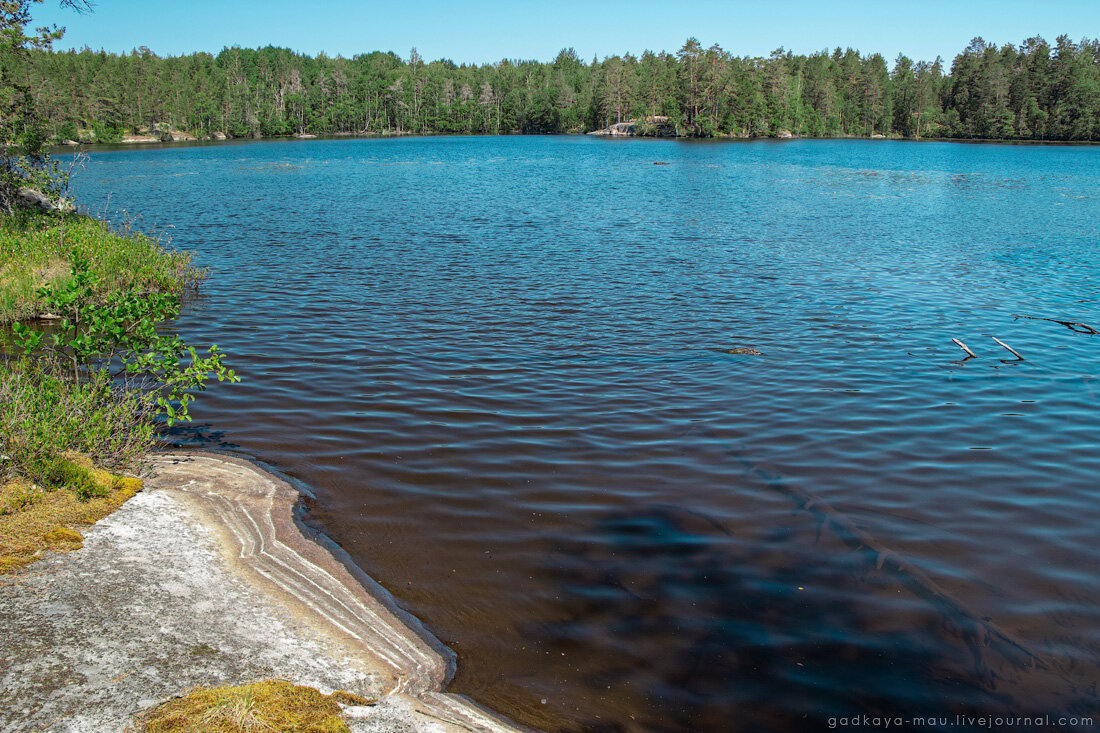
[
  {"x": 651, "y": 126},
  {"x": 619, "y": 128},
  {"x": 136, "y": 139}
]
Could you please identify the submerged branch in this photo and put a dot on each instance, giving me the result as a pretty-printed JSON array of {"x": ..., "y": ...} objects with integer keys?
[
  {"x": 978, "y": 632},
  {"x": 1071, "y": 325}
]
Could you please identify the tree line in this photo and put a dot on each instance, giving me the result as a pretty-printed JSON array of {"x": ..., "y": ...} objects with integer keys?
[{"x": 1030, "y": 91}]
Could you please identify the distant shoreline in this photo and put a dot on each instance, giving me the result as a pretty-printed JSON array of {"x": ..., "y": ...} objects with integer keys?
[
  {"x": 1031, "y": 91},
  {"x": 158, "y": 144}
]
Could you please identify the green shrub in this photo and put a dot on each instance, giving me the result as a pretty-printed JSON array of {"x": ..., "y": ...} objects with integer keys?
[
  {"x": 117, "y": 337},
  {"x": 93, "y": 381},
  {"x": 67, "y": 131},
  {"x": 107, "y": 134},
  {"x": 43, "y": 416}
]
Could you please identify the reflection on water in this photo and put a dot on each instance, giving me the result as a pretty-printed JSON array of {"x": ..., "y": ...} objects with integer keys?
[{"x": 519, "y": 376}]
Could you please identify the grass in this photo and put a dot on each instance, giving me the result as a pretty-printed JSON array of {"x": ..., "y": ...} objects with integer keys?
[
  {"x": 272, "y": 705},
  {"x": 36, "y": 249}
]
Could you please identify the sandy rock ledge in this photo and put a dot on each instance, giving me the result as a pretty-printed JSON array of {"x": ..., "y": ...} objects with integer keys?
[{"x": 203, "y": 579}]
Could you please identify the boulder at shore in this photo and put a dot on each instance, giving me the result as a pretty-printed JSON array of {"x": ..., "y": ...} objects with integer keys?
[{"x": 36, "y": 200}]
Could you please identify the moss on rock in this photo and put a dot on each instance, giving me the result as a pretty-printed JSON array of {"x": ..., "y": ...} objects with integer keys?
[
  {"x": 260, "y": 706},
  {"x": 34, "y": 519}
]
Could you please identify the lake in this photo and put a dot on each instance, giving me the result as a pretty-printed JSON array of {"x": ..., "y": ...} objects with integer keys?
[{"x": 511, "y": 373}]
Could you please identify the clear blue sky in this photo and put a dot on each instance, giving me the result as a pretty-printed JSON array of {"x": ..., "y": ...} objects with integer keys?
[{"x": 480, "y": 31}]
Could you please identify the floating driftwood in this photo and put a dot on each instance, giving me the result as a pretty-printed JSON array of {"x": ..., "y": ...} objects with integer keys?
[
  {"x": 1009, "y": 348},
  {"x": 964, "y": 347},
  {"x": 1071, "y": 325}
]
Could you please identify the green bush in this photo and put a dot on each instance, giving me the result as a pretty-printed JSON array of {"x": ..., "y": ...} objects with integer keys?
[
  {"x": 67, "y": 131},
  {"x": 94, "y": 380},
  {"x": 106, "y": 134},
  {"x": 43, "y": 416},
  {"x": 116, "y": 337}
]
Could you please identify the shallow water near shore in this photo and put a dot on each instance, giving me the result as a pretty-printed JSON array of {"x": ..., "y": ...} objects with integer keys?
[{"x": 503, "y": 367}]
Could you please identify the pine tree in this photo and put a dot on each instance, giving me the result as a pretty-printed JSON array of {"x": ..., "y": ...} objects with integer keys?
[{"x": 22, "y": 131}]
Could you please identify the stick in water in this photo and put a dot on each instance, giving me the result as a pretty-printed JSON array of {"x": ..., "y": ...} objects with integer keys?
[
  {"x": 966, "y": 348},
  {"x": 1071, "y": 325},
  {"x": 1002, "y": 343}
]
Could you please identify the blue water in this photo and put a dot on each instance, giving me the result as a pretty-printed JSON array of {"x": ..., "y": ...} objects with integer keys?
[{"x": 501, "y": 365}]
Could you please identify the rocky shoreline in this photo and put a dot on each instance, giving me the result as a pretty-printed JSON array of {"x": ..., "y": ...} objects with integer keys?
[
  {"x": 153, "y": 137},
  {"x": 206, "y": 578}
]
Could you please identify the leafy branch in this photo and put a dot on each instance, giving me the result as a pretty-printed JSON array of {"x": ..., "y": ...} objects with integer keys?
[{"x": 117, "y": 335}]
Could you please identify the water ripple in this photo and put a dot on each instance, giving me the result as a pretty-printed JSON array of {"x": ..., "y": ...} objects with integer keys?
[{"x": 507, "y": 368}]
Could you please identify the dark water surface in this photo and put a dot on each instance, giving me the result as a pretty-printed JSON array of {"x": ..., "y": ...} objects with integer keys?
[{"x": 500, "y": 364}]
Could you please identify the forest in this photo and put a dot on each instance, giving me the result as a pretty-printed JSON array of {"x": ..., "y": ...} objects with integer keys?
[{"x": 1033, "y": 91}]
